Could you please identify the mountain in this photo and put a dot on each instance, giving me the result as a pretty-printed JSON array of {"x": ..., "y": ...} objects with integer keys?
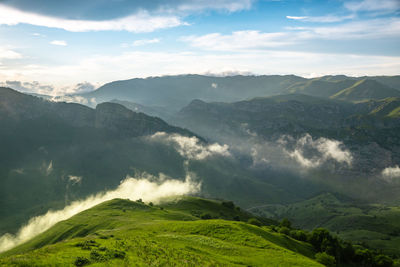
[
  {"x": 152, "y": 111},
  {"x": 369, "y": 130},
  {"x": 54, "y": 153},
  {"x": 171, "y": 93},
  {"x": 175, "y": 92},
  {"x": 264, "y": 116},
  {"x": 45, "y": 143},
  {"x": 320, "y": 87},
  {"x": 366, "y": 89}
]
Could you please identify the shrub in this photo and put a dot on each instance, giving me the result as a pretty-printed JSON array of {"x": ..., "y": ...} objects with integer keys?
[
  {"x": 284, "y": 230},
  {"x": 383, "y": 261},
  {"x": 81, "y": 261},
  {"x": 325, "y": 259},
  {"x": 206, "y": 216},
  {"x": 96, "y": 256},
  {"x": 228, "y": 204},
  {"x": 299, "y": 235},
  {"x": 285, "y": 223},
  {"x": 118, "y": 254},
  {"x": 151, "y": 204},
  {"x": 254, "y": 221}
]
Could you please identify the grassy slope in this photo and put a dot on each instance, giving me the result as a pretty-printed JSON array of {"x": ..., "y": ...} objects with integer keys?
[
  {"x": 126, "y": 233},
  {"x": 378, "y": 226},
  {"x": 366, "y": 89}
]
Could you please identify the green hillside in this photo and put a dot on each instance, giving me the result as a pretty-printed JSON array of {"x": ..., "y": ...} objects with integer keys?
[
  {"x": 366, "y": 89},
  {"x": 378, "y": 226},
  {"x": 183, "y": 231}
]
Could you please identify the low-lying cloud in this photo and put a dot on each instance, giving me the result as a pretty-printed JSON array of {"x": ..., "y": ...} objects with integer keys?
[
  {"x": 130, "y": 188},
  {"x": 391, "y": 173},
  {"x": 191, "y": 147},
  {"x": 310, "y": 153},
  {"x": 302, "y": 153}
]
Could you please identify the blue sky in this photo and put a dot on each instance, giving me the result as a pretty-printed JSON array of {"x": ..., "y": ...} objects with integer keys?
[{"x": 58, "y": 47}]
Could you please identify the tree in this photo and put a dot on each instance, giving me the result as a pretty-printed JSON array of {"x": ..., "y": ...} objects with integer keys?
[
  {"x": 254, "y": 221},
  {"x": 285, "y": 223},
  {"x": 325, "y": 259}
]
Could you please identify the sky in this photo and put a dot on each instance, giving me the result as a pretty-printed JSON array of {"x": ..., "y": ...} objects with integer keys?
[{"x": 63, "y": 47}]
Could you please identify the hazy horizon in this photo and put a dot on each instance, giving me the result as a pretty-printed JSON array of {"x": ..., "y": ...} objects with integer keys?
[{"x": 66, "y": 47}]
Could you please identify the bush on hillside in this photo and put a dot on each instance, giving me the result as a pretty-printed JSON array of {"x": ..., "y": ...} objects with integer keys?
[{"x": 254, "y": 221}]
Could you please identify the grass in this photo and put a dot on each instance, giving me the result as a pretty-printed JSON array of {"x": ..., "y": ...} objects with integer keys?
[{"x": 125, "y": 233}]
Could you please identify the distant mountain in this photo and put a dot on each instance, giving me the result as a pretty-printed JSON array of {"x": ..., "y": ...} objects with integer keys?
[
  {"x": 324, "y": 87},
  {"x": 269, "y": 116},
  {"x": 171, "y": 93},
  {"x": 152, "y": 111},
  {"x": 368, "y": 129},
  {"x": 293, "y": 114},
  {"x": 366, "y": 89},
  {"x": 175, "y": 92}
]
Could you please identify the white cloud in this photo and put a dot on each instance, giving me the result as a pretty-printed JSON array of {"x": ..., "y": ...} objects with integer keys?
[
  {"x": 256, "y": 40},
  {"x": 191, "y": 147},
  {"x": 38, "y": 34},
  {"x": 373, "y": 5},
  {"x": 323, "y": 19},
  {"x": 238, "y": 40},
  {"x": 74, "y": 179},
  {"x": 49, "y": 168},
  {"x": 59, "y": 42},
  {"x": 391, "y": 173},
  {"x": 310, "y": 153},
  {"x": 229, "y": 5},
  {"x": 6, "y": 53},
  {"x": 130, "y": 188},
  {"x": 140, "y": 22},
  {"x": 366, "y": 29},
  {"x": 145, "y": 42}
]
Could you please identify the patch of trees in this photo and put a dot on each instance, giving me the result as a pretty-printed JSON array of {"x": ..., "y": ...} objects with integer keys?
[{"x": 332, "y": 251}]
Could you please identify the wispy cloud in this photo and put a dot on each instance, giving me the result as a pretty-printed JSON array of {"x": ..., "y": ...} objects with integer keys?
[
  {"x": 312, "y": 153},
  {"x": 38, "y": 34},
  {"x": 191, "y": 147},
  {"x": 229, "y": 5},
  {"x": 139, "y": 22},
  {"x": 373, "y": 5},
  {"x": 6, "y": 53},
  {"x": 256, "y": 40},
  {"x": 145, "y": 42},
  {"x": 59, "y": 42},
  {"x": 366, "y": 29},
  {"x": 322, "y": 19},
  {"x": 238, "y": 40}
]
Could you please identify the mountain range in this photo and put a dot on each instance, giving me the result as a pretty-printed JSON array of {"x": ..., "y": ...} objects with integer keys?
[{"x": 323, "y": 152}]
